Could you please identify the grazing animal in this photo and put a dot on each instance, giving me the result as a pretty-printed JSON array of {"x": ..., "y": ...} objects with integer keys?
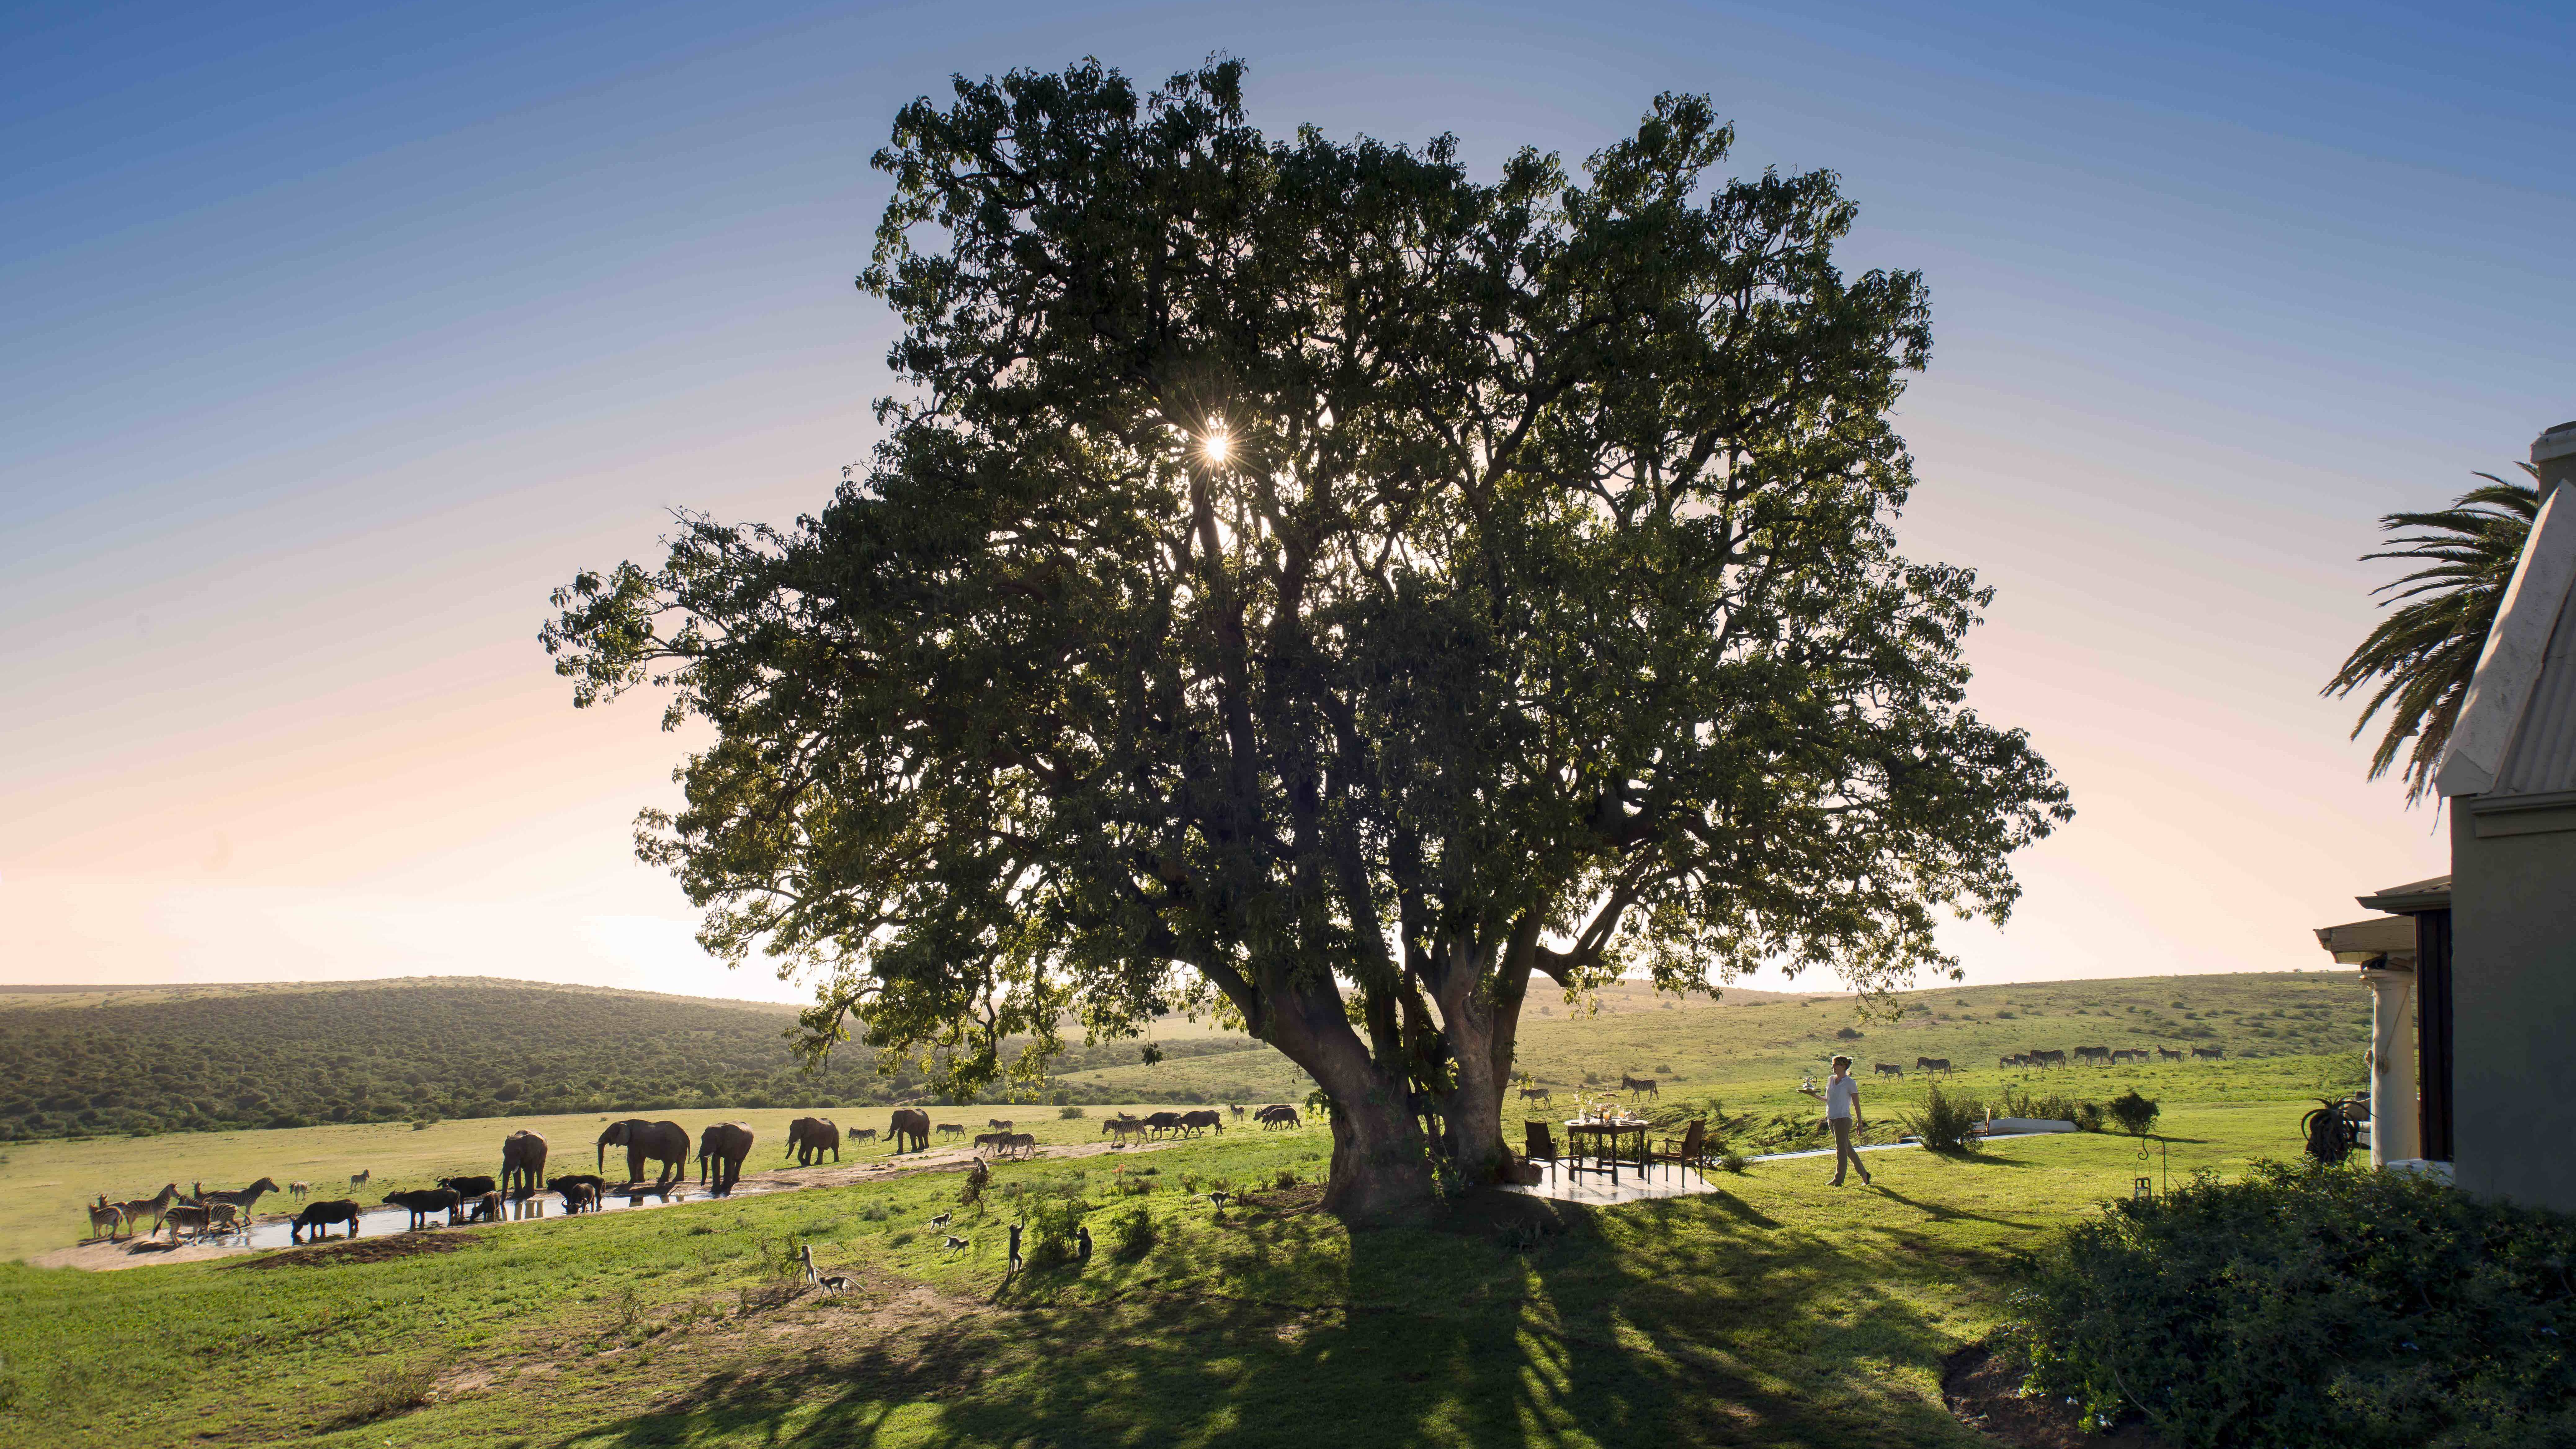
[
  {"x": 185, "y": 1217},
  {"x": 1123, "y": 1127},
  {"x": 578, "y": 1196},
  {"x": 957, "y": 1244},
  {"x": 998, "y": 1124},
  {"x": 910, "y": 1124},
  {"x": 487, "y": 1208},
  {"x": 1533, "y": 1093},
  {"x": 1888, "y": 1069},
  {"x": 1160, "y": 1123},
  {"x": 952, "y": 1129},
  {"x": 420, "y": 1202},
  {"x": 994, "y": 1140},
  {"x": 859, "y": 1135},
  {"x": 665, "y": 1143},
  {"x": 318, "y": 1218},
  {"x": 1197, "y": 1122},
  {"x": 2170, "y": 1054},
  {"x": 155, "y": 1205},
  {"x": 523, "y": 1162},
  {"x": 810, "y": 1137},
  {"x": 2209, "y": 1053},
  {"x": 299, "y": 1190},
  {"x": 658, "y": 1191},
  {"x": 1932, "y": 1064},
  {"x": 1236, "y": 1110},
  {"x": 1642, "y": 1085},
  {"x": 469, "y": 1188},
  {"x": 721, "y": 1149},
  {"x": 2127, "y": 1056},
  {"x": 2048, "y": 1059},
  {"x": 105, "y": 1219},
  {"x": 244, "y": 1198},
  {"x": 1278, "y": 1115},
  {"x": 1015, "y": 1247},
  {"x": 1020, "y": 1144},
  {"x": 227, "y": 1216},
  {"x": 2097, "y": 1055},
  {"x": 2012, "y": 1061},
  {"x": 359, "y": 1179}
]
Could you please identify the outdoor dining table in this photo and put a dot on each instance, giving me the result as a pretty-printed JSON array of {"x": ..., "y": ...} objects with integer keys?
[{"x": 1606, "y": 1138}]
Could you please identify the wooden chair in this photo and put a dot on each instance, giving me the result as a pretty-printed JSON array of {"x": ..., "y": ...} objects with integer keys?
[
  {"x": 1691, "y": 1150},
  {"x": 1542, "y": 1143}
]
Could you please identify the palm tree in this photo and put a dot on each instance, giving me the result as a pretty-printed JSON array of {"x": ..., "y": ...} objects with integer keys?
[{"x": 2425, "y": 651}]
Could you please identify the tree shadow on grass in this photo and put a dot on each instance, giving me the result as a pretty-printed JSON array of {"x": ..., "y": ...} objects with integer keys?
[
  {"x": 1941, "y": 1212},
  {"x": 1681, "y": 1322}
]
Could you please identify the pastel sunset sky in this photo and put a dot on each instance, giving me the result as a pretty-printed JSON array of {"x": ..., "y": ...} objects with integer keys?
[{"x": 337, "y": 336}]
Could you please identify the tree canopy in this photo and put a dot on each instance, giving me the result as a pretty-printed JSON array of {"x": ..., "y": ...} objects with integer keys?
[
  {"x": 2425, "y": 652},
  {"x": 1301, "y": 577}
]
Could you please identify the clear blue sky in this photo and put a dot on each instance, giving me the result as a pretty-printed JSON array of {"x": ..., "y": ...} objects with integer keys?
[{"x": 335, "y": 337}]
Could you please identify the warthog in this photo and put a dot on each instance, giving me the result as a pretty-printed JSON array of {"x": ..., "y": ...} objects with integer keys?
[
  {"x": 1888, "y": 1069},
  {"x": 318, "y": 1218},
  {"x": 1932, "y": 1064},
  {"x": 1642, "y": 1085},
  {"x": 1194, "y": 1123},
  {"x": 2209, "y": 1053}
]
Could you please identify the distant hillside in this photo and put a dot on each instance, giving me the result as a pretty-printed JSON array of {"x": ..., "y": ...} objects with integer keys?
[{"x": 159, "y": 1059}]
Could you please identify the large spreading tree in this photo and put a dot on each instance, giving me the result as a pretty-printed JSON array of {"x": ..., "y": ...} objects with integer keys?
[{"x": 1302, "y": 578}]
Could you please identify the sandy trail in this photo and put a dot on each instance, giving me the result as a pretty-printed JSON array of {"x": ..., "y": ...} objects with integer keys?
[{"x": 99, "y": 1256}]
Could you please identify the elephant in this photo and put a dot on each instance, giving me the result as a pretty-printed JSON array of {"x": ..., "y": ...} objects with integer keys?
[
  {"x": 664, "y": 1142},
  {"x": 810, "y": 1137},
  {"x": 523, "y": 1163},
  {"x": 722, "y": 1148},
  {"x": 913, "y": 1125}
]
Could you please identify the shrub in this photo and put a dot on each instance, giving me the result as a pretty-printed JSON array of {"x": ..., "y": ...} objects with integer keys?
[
  {"x": 1849, "y": 1033},
  {"x": 2088, "y": 1117},
  {"x": 1069, "y": 1113},
  {"x": 424, "y": 1124},
  {"x": 1285, "y": 1179},
  {"x": 2310, "y": 1305},
  {"x": 1947, "y": 1121},
  {"x": 1132, "y": 1234},
  {"x": 1734, "y": 1161},
  {"x": 1053, "y": 1221},
  {"x": 389, "y": 1390},
  {"x": 2047, "y": 1106},
  {"x": 2134, "y": 1113}
]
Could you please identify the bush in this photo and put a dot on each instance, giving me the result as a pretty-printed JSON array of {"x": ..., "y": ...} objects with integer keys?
[
  {"x": 1053, "y": 1221},
  {"x": 2311, "y": 1305},
  {"x": 2134, "y": 1113},
  {"x": 1132, "y": 1234},
  {"x": 2088, "y": 1117},
  {"x": 388, "y": 1390},
  {"x": 1069, "y": 1113},
  {"x": 2048, "y": 1107},
  {"x": 1947, "y": 1121},
  {"x": 1849, "y": 1033}
]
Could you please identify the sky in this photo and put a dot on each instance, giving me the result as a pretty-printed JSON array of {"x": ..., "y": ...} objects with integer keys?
[{"x": 332, "y": 338}]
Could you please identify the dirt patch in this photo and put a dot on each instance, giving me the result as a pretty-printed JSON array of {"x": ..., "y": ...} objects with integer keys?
[
  {"x": 1983, "y": 1390},
  {"x": 358, "y": 1250}
]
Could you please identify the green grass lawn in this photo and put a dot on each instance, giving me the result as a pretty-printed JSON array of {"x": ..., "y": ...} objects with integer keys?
[{"x": 1778, "y": 1311}]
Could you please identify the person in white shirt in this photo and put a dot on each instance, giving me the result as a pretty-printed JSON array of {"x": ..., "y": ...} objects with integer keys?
[{"x": 1841, "y": 1097}]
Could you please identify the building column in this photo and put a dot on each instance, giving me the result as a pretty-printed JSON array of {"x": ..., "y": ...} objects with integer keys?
[{"x": 2393, "y": 1128}]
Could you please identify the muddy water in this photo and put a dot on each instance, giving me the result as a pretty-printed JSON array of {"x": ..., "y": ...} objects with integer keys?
[{"x": 375, "y": 1222}]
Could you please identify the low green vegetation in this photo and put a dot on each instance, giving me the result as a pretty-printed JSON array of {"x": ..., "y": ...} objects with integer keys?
[
  {"x": 1778, "y": 1310},
  {"x": 2312, "y": 1305}
]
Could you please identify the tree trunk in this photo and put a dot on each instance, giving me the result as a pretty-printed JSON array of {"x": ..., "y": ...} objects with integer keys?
[
  {"x": 1380, "y": 1168},
  {"x": 1480, "y": 1013}
]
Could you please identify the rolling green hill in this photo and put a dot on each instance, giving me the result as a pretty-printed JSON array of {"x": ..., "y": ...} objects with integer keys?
[{"x": 88, "y": 1062}]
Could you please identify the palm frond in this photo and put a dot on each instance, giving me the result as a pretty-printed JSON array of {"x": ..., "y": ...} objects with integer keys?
[{"x": 2424, "y": 652}]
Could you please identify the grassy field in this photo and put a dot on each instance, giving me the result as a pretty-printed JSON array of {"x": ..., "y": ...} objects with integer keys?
[{"x": 1777, "y": 1311}]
